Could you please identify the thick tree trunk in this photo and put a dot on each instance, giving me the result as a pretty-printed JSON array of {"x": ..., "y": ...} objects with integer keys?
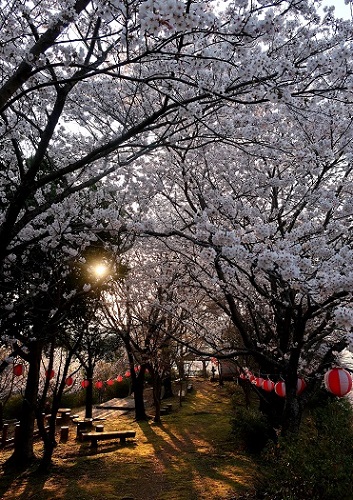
[
  {"x": 1, "y": 415},
  {"x": 23, "y": 453},
  {"x": 49, "y": 444},
  {"x": 292, "y": 414},
  {"x": 138, "y": 383},
  {"x": 157, "y": 389},
  {"x": 89, "y": 394},
  {"x": 272, "y": 406},
  {"x": 167, "y": 384},
  {"x": 245, "y": 384},
  {"x": 48, "y": 434},
  {"x": 181, "y": 369}
]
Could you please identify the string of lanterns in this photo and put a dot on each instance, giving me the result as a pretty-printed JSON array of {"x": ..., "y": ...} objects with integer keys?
[
  {"x": 338, "y": 381},
  {"x": 18, "y": 370},
  {"x": 99, "y": 384}
]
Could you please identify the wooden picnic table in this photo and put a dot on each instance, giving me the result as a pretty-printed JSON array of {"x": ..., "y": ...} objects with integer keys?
[{"x": 64, "y": 413}]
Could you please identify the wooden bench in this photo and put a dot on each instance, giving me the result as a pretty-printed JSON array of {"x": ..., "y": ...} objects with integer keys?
[
  {"x": 166, "y": 409},
  {"x": 94, "y": 437}
]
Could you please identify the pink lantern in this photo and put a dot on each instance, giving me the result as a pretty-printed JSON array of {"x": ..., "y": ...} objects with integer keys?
[
  {"x": 98, "y": 384},
  {"x": 301, "y": 384},
  {"x": 137, "y": 368},
  {"x": 49, "y": 374},
  {"x": 119, "y": 378},
  {"x": 69, "y": 381},
  {"x": 268, "y": 385},
  {"x": 85, "y": 384},
  {"x": 280, "y": 389},
  {"x": 110, "y": 381},
  {"x": 18, "y": 370},
  {"x": 127, "y": 373},
  {"x": 338, "y": 381}
]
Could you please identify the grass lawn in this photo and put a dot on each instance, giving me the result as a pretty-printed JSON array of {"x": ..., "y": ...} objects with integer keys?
[{"x": 190, "y": 456}]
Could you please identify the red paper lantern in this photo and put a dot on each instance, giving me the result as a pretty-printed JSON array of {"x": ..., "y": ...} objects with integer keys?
[
  {"x": 338, "y": 381},
  {"x": 49, "y": 374},
  {"x": 127, "y": 373},
  {"x": 98, "y": 384},
  {"x": 137, "y": 368},
  {"x": 268, "y": 385},
  {"x": 85, "y": 384},
  {"x": 280, "y": 389},
  {"x": 110, "y": 381},
  {"x": 258, "y": 382},
  {"x": 301, "y": 384},
  {"x": 69, "y": 381},
  {"x": 18, "y": 370},
  {"x": 119, "y": 378},
  {"x": 242, "y": 376}
]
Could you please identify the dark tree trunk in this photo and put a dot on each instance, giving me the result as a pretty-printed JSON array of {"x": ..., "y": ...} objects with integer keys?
[
  {"x": 50, "y": 444},
  {"x": 220, "y": 374},
  {"x": 1, "y": 415},
  {"x": 272, "y": 406},
  {"x": 138, "y": 388},
  {"x": 292, "y": 417},
  {"x": 245, "y": 384},
  {"x": 48, "y": 435},
  {"x": 89, "y": 394},
  {"x": 23, "y": 453},
  {"x": 167, "y": 384},
  {"x": 157, "y": 389},
  {"x": 181, "y": 369},
  {"x": 293, "y": 409}
]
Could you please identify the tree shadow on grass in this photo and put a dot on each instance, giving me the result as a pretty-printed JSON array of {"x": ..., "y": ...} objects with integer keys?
[
  {"x": 194, "y": 467},
  {"x": 22, "y": 485}
]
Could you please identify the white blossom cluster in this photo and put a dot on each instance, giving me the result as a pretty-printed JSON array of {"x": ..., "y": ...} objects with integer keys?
[
  {"x": 172, "y": 15},
  {"x": 226, "y": 128}
]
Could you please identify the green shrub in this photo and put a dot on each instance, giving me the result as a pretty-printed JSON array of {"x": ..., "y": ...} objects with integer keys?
[
  {"x": 13, "y": 407},
  {"x": 318, "y": 464},
  {"x": 117, "y": 390},
  {"x": 73, "y": 399},
  {"x": 251, "y": 429}
]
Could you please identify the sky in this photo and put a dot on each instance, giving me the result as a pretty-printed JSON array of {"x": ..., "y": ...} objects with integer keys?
[{"x": 341, "y": 9}]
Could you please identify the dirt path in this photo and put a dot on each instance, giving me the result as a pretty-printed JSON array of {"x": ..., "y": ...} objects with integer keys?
[{"x": 188, "y": 457}]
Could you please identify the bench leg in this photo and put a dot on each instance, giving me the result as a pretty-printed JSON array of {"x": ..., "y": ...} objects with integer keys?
[
  {"x": 122, "y": 440},
  {"x": 94, "y": 443}
]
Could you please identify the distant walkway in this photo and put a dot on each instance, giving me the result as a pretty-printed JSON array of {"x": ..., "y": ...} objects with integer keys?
[
  {"x": 112, "y": 408},
  {"x": 125, "y": 404}
]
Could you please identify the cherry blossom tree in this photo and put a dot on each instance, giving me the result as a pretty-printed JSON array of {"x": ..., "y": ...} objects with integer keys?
[
  {"x": 146, "y": 312},
  {"x": 268, "y": 233},
  {"x": 90, "y": 91},
  {"x": 265, "y": 218}
]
